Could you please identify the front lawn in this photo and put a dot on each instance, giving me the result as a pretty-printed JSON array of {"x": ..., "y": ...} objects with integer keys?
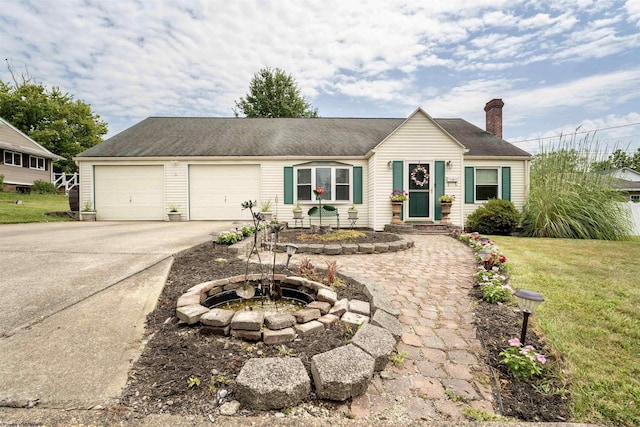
[
  {"x": 590, "y": 316},
  {"x": 33, "y": 207}
]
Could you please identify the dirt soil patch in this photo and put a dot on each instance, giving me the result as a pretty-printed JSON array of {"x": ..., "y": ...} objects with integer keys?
[
  {"x": 177, "y": 356},
  {"x": 541, "y": 400}
]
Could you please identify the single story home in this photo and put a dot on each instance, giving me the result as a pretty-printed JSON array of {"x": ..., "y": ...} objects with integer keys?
[
  {"x": 206, "y": 167},
  {"x": 23, "y": 160},
  {"x": 627, "y": 180}
]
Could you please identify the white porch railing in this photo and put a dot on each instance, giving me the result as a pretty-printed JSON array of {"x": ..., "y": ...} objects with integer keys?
[{"x": 67, "y": 181}]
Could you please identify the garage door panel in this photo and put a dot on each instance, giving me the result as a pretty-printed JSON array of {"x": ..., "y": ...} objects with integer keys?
[
  {"x": 216, "y": 192},
  {"x": 129, "y": 192}
]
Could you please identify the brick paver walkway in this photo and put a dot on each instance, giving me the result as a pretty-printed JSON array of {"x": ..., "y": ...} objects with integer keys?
[{"x": 443, "y": 372}]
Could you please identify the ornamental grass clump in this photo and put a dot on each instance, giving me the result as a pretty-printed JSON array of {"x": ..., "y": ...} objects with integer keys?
[
  {"x": 523, "y": 362},
  {"x": 569, "y": 200}
]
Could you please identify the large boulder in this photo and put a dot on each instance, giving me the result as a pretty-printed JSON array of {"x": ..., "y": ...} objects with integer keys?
[{"x": 377, "y": 342}]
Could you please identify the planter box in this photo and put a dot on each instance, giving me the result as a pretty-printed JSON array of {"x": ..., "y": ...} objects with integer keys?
[
  {"x": 88, "y": 216},
  {"x": 174, "y": 216}
]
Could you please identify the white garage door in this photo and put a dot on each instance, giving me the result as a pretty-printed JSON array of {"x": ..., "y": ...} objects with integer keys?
[
  {"x": 216, "y": 192},
  {"x": 129, "y": 192}
]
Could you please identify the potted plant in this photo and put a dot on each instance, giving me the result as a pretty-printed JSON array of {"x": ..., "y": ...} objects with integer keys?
[
  {"x": 297, "y": 211},
  {"x": 397, "y": 197},
  {"x": 353, "y": 212},
  {"x": 88, "y": 212},
  {"x": 266, "y": 211},
  {"x": 174, "y": 213},
  {"x": 446, "y": 200}
]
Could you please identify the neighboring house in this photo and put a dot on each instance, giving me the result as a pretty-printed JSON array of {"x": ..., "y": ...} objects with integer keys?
[
  {"x": 627, "y": 181},
  {"x": 626, "y": 174},
  {"x": 208, "y": 166},
  {"x": 23, "y": 160}
]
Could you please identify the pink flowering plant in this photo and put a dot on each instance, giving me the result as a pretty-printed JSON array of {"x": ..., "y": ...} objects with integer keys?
[
  {"x": 399, "y": 196},
  {"x": 523, "y": 362}
]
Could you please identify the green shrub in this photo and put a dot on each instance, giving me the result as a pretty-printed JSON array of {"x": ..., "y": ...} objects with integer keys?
[
  {"x": 229, "y": 238},
  {"x": 1, "y": 182},
  {"x": 43, "y": 187},
  {"x": 496, "y": 293},
  {"x": 496, "y": 216}
]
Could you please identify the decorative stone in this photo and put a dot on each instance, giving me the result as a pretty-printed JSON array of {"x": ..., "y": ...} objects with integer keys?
[
  {"x": 333, "y": 249},
  {"x": 306, "y": 315},
  {"x": 316, "y": 248},
  {"x": 366, "y": 248},
  {"x": 327, "y": 295},
  {"x": 215, "y": 330},
  {"x": 328, "y": 320},
  {"x": 238, "y": 279},
  {"x": 247, "y": 320},
  {"x": 191, "y": 313},
  {"x": 294, "y": 280},
  {"x": 375, "y": 341},
  {"x": 188, "y": 299},
  {"x": 340, "y": 307},
  {"x": 214, "y": 291},
  {"x": 272, "y": 383},
  {"x": 354, "y": 319},
  {"x": 360, "y": 307},
  {"x": 309, "y": 328},
  {"x": 390, "y": 323},
  {"x": 232, "y": 286},
  {"x": 381, "y": 247},
  {"x": 323, "y": 306},
  {"x": 397, "y": 246},
  {"x": 201, "y": 287},
  {"x": 230, "y": 408},
  {"x": 349, "y": 248},
  {"x": 342, "y": 373},
  {"x": 246, "y": 335},
  {"x": 280, "y": 336},
  {"x": 303, "y": 248},
  {"x": 277, "y": 321},
  {"x": 217, "y": 317}
]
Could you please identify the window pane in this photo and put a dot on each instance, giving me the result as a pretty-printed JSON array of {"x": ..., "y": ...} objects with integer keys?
[
  {"x": 342, "y": 192},
  {"x": 33, "y": 162},
  {"x": 304, "y": 192},
  {"x": 323, "y": 179},
  {"x": 486, "y": 192},
  {"x": 342, "y": 176},
  {"x": 304, "y": 176},
  {"x": 486, "y": 176},
  {"x": 8, "y": 157}
]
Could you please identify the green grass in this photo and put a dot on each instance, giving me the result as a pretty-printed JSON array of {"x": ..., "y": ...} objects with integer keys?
[
  {"x": 33, "y": 207},
  {"x": 590, "y": 317}
]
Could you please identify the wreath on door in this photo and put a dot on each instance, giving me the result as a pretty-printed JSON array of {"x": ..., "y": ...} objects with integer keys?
[{"x": 420, "y": 176}]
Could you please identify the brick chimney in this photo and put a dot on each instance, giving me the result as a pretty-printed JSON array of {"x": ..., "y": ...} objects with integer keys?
[{"x": 493, "y": 109}]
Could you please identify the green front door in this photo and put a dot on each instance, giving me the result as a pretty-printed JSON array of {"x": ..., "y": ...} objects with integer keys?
[{"x": 419, "y": 183}]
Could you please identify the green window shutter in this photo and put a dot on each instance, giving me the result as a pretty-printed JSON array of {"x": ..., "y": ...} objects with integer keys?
[
  {"x": 357, "y": 185},
  {"x": 288, "y": 185},
  {"x": 439, "y": 176},
  {"x": 506, "y": 183},
  {"x": 398, "y": 170},
  {"x": 469, "y": 187}
]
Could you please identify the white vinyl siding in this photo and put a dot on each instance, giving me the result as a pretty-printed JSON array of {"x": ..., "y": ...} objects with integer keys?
[
  {"x": 216, "y": 191},
  {"x": 519, "y": 182},
  {"x": 129, "y": 192},
  {"x": 418, "y": 140}
]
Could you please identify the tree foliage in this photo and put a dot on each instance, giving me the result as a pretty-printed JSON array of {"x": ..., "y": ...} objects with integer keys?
[
  {"x": 274, "y": 93},
  {"x": 619, "y": 159},
  {"x": 53, "y": 119}
]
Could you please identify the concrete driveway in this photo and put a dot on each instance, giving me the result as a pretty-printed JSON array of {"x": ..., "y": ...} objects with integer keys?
[{"x": 73, "y": 299}]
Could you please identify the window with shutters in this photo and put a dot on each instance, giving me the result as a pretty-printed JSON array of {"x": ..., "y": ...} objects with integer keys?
[
  {"x": 486, "y": 184},
  {"x": 335, "y": 180}
]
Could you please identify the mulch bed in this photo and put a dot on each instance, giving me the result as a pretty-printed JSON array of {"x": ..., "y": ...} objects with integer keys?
[
  {"x": 158, "y": 382},
  {"x": 539, "y": 400},
  {"x": 304, "y": 236}
]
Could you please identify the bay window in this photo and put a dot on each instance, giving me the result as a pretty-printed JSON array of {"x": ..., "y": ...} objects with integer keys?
[{"x": 335, "y": 180}]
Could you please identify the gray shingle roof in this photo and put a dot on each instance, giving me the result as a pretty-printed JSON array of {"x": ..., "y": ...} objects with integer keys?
[{"x": 313, "y": 137}]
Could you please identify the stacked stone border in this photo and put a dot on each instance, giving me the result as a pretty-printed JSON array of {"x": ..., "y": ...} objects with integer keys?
[
  {"x": 338, "y": 374},
  {"x": 403, "y": 243}
]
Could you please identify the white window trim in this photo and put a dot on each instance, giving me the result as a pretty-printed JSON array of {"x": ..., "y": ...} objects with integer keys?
[
  {"x": 13, "y": 156},
  {"x": 38, "y": 158},
  {"x": 475, "y": 182},
  {"x": 333, "y": 183}
]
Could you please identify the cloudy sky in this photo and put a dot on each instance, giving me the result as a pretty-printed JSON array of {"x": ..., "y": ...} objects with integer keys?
[{"x": 558, "y": 65}]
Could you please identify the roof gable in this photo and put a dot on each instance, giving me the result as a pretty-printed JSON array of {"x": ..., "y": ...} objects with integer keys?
[{"x": 14, "y": 140}]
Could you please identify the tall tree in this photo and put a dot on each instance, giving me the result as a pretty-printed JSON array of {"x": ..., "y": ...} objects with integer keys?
[
  {"x": 619, "y": 159},
  {"x": 53, "y": 119},
  {"x": 274, "y": 93}
]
